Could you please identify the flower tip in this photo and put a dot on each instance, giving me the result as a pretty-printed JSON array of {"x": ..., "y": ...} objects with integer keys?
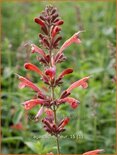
[
  {"x": 25, "y": 65},
  {"x": 17, "y": 75},
  {"x": 101, "y": 150},
  {"x": 80, "y": 32},
  {"x": 36, "y": 19}
]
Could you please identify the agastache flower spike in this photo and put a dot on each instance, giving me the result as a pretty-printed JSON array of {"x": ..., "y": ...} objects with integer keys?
[
  {"x": 51, "y": 72},
  {"x": 49, "y": 38},
  {"x": 94, "y": 152}
]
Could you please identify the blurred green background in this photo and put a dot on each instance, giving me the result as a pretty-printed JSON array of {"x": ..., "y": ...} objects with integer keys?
[{"x": 92, "y": 124}]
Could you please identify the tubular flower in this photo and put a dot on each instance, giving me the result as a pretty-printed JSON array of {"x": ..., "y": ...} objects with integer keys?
[
  {"x": 32, "y": 67},
  {"x": 55, "y": 31},
  {"x": 94, "y": 152},
  {"x": 36, "y": 49},
  {"x": 27, "y": 83},
  {"x": 32, "y": 103},
  {"x": 82, "y": 82},
  {"x": 39, "y": 21},
  {"x": 64, "y": 122},
  {"x": 73, "y": 39},
  {"x": 65, "y": 72},
  {"x": 49, "y": 39},
  {"x": 73, "y": 102}
]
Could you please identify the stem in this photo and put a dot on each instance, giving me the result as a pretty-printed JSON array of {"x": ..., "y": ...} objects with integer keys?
[
  {"x": 54, "y": 108},
  {"x": 55, "y": 119}
]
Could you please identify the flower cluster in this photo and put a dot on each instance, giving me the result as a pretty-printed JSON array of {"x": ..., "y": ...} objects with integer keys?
[{"x": 49, "y": 55}]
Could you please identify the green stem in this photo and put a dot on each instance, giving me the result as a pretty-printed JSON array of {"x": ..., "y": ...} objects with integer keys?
[{"x": 55, "y": 120}]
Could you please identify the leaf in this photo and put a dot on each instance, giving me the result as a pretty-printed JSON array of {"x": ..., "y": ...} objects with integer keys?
[{"x": 17, "y": 116}]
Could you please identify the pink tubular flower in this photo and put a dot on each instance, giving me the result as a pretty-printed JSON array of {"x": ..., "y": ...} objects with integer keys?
[
  {"x": 51, "y": 72},
  {"x": 60, "y": 22},
  {"x": 36, "y": 49},
  {"x": 65, "y": 72},
  {"x": 55, "y": 30},
  {"x": 40, "y": 112},
  {"x": 64, "y": 122},
  {"x": 73, "y": 39},
  {"x": 27, "y": 83},
  {"x": 32, "y": 103},
  {"x": 39, "y": 21},
  {"x": 82, "y": 82},
  {"x": 32, "y": 67},
  {"x": 94, "y": 152},
  {"x": 72, "y": 101}
]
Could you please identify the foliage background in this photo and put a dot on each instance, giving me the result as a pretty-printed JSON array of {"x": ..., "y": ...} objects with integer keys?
[{"x": 92, "y": 125}]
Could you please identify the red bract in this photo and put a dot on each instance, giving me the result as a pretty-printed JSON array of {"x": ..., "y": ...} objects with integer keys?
[
  {"x": 82, "y": 82},
  {"x": 94, "y": 152}
]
